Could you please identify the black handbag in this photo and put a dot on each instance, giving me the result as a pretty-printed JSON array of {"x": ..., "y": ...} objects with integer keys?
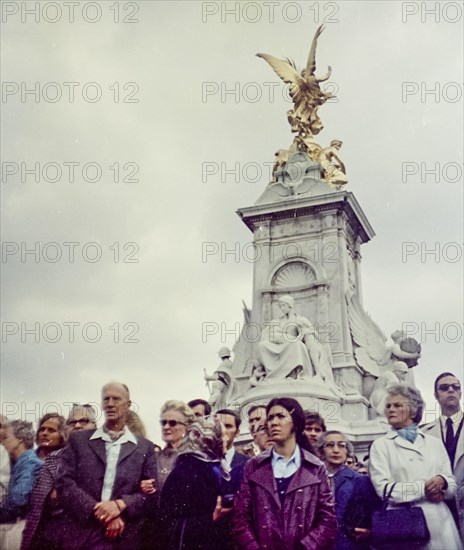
[{"x": 404, "y": 524}]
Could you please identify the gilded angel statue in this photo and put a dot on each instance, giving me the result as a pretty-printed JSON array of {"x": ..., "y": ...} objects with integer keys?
[
  {"x": 333, "y": 168},
  {"x": 304, "y": 88},
  {"x": 372, "y": 353}
]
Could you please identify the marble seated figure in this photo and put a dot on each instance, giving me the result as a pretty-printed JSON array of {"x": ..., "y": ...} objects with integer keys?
[{"x": 282, "y": 350}]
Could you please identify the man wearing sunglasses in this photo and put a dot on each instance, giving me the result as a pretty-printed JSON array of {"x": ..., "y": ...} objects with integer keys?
[{"x": 449, "y": 428}]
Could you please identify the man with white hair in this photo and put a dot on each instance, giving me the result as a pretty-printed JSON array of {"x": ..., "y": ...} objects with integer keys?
[{"x": 99, "y": 480}]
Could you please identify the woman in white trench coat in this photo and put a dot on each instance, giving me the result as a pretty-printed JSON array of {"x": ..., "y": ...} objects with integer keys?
[{"x": 418, "y": 464}]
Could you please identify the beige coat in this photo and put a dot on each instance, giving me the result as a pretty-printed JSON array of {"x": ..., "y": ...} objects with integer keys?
[{"x": 394, "y": 459}]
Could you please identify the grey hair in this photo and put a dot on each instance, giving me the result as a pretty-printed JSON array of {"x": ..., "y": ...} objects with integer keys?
[
  {"x": 23, "y": 431},
  {"x": 414, "y": 397},
  {"x": 179, "y": 406},
  {"x": 90, "y": 412},
  {"x": 320, "y": 443},
  {"x": 115, "y": 383}
]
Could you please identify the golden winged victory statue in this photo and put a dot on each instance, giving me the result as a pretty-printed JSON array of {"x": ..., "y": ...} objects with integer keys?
[{"x": 307, "y": 96}]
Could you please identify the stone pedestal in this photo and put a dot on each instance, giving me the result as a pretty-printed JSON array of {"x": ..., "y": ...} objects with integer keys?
[
  {"x": 307, "y": 236},
  {"x": 309, "y": 247}
]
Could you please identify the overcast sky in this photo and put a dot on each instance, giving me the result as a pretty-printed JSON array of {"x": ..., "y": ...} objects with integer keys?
[{"x": 173, "y": 99}]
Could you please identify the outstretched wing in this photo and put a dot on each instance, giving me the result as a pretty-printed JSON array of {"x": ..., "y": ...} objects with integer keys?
[
  {"x": 286, "y": 71},
  {"x": 311, "y": 64},
  {"x": 372, "y": 350},
  {"x": 310, "y": 70}
]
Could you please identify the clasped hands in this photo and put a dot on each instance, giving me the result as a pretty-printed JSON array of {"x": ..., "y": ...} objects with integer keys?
[
  {"x": 434, "y": 489},
  {"x": 108, "y": 514}
]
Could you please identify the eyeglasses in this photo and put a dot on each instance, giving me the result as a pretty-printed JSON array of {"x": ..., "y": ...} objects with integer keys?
[
  {"x": 332, "y": 444},
  {"x": 171, "y": 423},
  {"x": 446, "y": 387},
  {"x": 83, "y": 421}
]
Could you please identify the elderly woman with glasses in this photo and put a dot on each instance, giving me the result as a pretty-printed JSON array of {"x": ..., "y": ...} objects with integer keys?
[
  {"x": 175, "y": 417},
  {"x": 418, "y": 466},
  {"x": 354, "y": 495}
]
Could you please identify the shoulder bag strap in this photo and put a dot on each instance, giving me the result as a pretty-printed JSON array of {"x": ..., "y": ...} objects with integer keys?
[{"x": 386, "y": 496}]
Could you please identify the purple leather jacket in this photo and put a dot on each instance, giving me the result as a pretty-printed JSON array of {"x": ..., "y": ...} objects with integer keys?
[{"x": 305, "y": 521}]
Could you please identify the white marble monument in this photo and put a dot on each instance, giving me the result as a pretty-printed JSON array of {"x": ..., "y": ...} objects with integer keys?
[{"x": 306, "y": 335}]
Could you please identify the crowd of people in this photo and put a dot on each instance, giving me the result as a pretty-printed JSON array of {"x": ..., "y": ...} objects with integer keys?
[{"x": 300, "y": 485}]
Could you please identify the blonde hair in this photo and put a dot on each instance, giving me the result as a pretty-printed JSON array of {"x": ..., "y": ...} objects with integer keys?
[{"x": 179, "y": 406}]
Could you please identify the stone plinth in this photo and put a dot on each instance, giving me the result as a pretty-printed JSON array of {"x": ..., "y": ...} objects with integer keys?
[{"x": 309, "y": 247}]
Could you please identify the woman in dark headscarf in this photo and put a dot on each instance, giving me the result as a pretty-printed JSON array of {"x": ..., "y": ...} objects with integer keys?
[{"x": 190, "y": 493}]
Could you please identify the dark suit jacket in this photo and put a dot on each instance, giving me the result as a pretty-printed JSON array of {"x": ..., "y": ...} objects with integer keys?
[
  {"x": 236, "y": 475},
  {"x": 222, "y": 529},
  {"x": 80, "y": 480}
]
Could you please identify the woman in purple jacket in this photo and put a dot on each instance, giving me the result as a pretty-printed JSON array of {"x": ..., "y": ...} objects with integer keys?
[{"x": 285, "y": 502}]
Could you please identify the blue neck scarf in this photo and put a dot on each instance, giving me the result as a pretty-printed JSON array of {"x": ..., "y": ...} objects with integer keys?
[{"x": 409, "y": 433}]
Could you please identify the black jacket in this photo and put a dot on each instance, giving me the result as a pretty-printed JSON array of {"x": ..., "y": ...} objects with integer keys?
[{"x": 187, "y": 504}]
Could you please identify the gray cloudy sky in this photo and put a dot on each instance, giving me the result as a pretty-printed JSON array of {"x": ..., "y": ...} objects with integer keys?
[{"x": 171, "y": 97}]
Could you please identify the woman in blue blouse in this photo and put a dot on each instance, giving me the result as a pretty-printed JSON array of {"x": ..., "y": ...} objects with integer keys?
[{"x": 18, "y": 441}]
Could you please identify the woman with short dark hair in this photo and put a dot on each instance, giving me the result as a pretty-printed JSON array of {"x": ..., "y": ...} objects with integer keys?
[{"x": 285, "y": 499}]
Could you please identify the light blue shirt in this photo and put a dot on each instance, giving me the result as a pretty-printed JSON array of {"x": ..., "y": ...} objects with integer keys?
[
  {"x": 112, "y": 449},
  {"x": 281, "y": 468},
  {"x": 23, "y": 474}
]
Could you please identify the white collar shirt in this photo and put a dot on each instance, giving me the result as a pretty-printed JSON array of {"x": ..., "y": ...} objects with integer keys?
[
  {"x": 112, "y": 449},
  {"x": 282, "y": 468},
  {"x": 456, "y": 419}
]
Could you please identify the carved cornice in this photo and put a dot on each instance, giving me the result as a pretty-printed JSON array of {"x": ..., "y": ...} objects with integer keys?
[{"x": 343, "y": 201}]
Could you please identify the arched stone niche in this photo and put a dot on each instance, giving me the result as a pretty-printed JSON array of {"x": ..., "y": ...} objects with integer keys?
[{"x": 305, "y": 282}]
